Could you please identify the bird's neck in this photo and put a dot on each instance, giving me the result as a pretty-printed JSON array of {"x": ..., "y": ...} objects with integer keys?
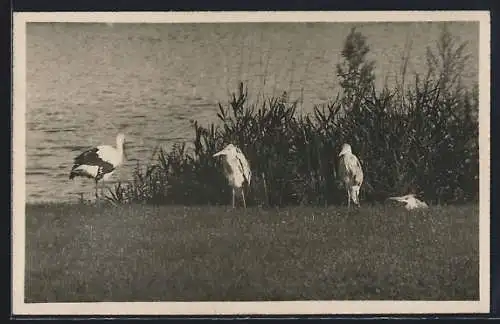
[{"x": 119, "y": 148}]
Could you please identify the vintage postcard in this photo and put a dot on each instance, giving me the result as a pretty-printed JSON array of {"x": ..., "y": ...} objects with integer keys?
[{"x": 239, "y": 163}]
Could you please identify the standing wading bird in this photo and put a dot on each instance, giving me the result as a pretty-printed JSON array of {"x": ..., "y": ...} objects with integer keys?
[
  {"x": 236, "y": 169},
  {"x": 99, "y": 162},
  {"x": 410, "y": 201},
  {"x": 351, "y": 173}
]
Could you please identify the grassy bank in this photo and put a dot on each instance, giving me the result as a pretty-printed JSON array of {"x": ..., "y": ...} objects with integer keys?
[{"x": 171, "y": 253}]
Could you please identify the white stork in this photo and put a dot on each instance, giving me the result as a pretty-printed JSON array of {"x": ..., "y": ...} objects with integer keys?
[
  {"x": 351, "y": 173},
  {"x": 99, "y": 162},
  {"x": 410, "y": 201},
  {"x": 236, "y": 169}
]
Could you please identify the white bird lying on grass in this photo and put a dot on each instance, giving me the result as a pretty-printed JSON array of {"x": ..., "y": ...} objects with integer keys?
[
  {"x": 410, "y": 201},
  {"x": 351, "y": 173},
  {"x": 99, "y": 162},
  {"x": 236, "y": 169}
]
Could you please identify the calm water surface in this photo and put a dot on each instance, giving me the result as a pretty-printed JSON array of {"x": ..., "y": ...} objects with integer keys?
[{"x": 87, "y": 81}]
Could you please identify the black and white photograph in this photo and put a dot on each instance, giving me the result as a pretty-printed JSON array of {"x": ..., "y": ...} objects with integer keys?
[{"x": 220, "y": 163}]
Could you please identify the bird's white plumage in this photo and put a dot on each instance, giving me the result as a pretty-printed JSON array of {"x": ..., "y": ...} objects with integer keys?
[
  {"x": 410, "y": 202},
  {"x": 351, "y": 173},
  {"x": 92, "y": 170},
  {"x": 110, "y": 154},
  {"x": 100, "y": 162},
  {"x": 236, "y": 168}
]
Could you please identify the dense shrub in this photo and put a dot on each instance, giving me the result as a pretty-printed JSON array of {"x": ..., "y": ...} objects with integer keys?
[{"x": 420, "y": 138}]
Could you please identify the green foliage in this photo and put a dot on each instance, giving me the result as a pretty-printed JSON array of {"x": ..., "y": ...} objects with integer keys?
[
  {"x": 355, "y": 72},
  {"x": 421, "y": 139}
]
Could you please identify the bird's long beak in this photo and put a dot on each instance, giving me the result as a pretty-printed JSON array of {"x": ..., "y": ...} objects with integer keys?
[
  {"x": 219, "y": 153},
  {"x": 395, "y": 198}
]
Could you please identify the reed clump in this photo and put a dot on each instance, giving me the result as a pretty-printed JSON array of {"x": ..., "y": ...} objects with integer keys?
[{"x": 419, "y": 136}]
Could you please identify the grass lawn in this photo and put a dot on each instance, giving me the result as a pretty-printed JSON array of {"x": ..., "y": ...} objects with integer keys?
[{"x": 79, "y": 253}]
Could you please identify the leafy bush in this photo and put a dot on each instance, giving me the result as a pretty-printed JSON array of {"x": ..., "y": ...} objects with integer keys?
[{"x": 421, "y": 138}]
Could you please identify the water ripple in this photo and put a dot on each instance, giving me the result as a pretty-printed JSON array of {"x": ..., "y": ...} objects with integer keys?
[{"x": 87, "y": 82}]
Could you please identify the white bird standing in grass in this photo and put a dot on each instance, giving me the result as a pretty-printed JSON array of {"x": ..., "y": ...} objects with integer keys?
[
  {"x": 410, "y": 201},
  {"x": 99, "y": 162},
  {"x": 351, "y": 173},
  {"x": 236, "y": 169}
]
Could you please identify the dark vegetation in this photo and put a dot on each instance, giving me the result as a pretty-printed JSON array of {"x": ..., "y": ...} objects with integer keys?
[{"x": 420, "y": 136}]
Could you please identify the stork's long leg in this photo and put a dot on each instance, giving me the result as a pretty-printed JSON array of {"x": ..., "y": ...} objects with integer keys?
[
  {"x": 233, "y": 197},
  {"x": 102, "y": 189},
  {"x": 96, "y": 193},
  {"x": 348, "y": 197},
  {"x": 243, "y": 196}
]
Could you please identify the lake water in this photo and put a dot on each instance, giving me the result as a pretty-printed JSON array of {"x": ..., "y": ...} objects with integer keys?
[{"x": 87, "y": 81}]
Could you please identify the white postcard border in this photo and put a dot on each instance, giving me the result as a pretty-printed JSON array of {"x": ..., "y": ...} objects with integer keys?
[{"x": 243, "y": 308}]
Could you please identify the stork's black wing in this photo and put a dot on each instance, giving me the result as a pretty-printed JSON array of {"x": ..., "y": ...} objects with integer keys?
[
  {"x": 88, "y": 157},
  {"x": 91, "y": 157}
]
